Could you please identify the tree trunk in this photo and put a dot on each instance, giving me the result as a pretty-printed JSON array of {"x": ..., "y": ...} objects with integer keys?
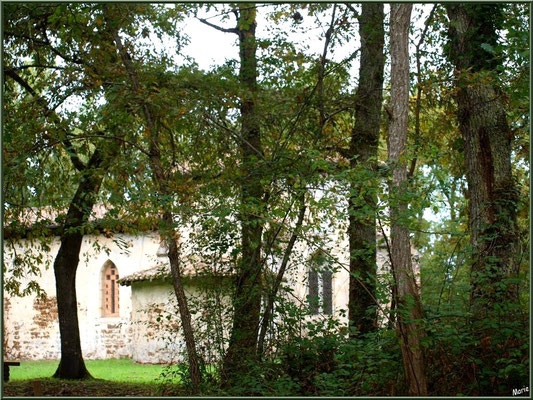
[
  {"x": 247, "y": 299},
  {"x": 363, "y": 153},
  {"x": 166, "y": 228},
  {"x": 487, "y": 150},
  {"x": 408, "y": 301},
  {"x": 71, "y": 365},
  {"x": 185, "y": 315},
  {"x": 279, "y": 278}
]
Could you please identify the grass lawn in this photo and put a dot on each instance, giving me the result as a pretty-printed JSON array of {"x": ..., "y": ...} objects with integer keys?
[
  {"x": 121, "y": 370},
  {"x": 112, "y": 378}
]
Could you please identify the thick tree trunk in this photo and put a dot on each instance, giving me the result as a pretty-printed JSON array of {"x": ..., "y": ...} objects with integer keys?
[
  {"x": 247, "y": 299},
  {"x": 408, "y": 301},
  {"x": 363, "y": 152},
  {"x": 71, "y": 365},
  {"x": 487, "y": 153}
]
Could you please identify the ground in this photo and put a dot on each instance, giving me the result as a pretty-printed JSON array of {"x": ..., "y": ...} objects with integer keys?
[
  {"x": 122, "y": 378},
  {"x": 88, "y": 388}
]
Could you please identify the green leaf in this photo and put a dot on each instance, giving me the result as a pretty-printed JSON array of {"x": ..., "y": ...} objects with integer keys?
[{"x": 487, "y": 47}]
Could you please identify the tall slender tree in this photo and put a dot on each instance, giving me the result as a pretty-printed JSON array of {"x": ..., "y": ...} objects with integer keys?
[
  {"x": 408, "y": 300},
  {"x": 162, "y": 184}
]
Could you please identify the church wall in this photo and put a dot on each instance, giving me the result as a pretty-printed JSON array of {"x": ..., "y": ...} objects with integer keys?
[
  {"x": 31, "y": 325},
  {"x": 156, "y": 330},
  {"x": 151, "y": 303},
  {"x": 297, "y": 274}
]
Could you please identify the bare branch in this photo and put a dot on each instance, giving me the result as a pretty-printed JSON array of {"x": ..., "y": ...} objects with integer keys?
[
  {"x": 26, "y": 66},
  {"x": 352, "y": 9},
  {"x": 419, "y": 92},
  {"x": 281, "y": 272},
  {"x": 219, "y": 28}
]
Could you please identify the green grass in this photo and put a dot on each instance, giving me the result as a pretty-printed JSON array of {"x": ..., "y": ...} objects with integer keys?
[{"x": 118, "y": 370}]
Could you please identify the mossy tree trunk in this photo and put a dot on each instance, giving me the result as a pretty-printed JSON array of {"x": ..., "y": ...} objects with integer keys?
[
  {"x": 363, "y": 154},
  {"x": 247, "y": 299},
  {"x": 492, "y": 193}
]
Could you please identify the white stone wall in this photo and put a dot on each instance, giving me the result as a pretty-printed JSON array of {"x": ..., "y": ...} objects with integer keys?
[
  {"x": 339, "y": 249},
  {"x": 151, "y": 303},
  {"x": 31, "y": 328},
  {"x": 159, "y": 339}
]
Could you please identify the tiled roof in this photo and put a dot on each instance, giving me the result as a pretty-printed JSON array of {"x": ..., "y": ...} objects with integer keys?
[
  {"x": 162, "y": 272},
  {"x": 150, "y": 274}
]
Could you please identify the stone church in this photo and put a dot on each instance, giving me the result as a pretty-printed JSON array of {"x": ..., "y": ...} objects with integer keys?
[{"x": 123, "y": 289}]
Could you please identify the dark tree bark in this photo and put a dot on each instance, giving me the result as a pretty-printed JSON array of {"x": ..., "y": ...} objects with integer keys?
[
  {"x": 408, "y": 301},
  {"x": 363, "y": 152},
  {"x": 175, "y": 269},
  {"x": 71, "y": 365},
  {"x": 487, "y": 152},
  {"x": 247, "y": 300}
]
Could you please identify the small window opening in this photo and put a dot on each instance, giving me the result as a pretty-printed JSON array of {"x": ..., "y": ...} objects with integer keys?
[{"x": 110, "y": 296}]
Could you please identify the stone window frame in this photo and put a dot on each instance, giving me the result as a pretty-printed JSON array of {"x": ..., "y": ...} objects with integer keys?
[{"x": 110, "y": 304}]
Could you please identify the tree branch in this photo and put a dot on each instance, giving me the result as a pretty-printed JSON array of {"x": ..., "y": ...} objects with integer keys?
[
  {"x": 419, "y": 92},
  {"x": 352, "y": 9},
  {"x": 279, "y": 276},
  {"x": 26, "y": 66},
  {"x": 219, "y": 28},
  {"x": 321, "y": 71},
  {"x": 74, "y": 59},
  {"x": 71, "y": 151}
]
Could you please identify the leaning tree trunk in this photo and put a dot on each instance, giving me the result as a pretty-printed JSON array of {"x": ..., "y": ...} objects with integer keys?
[
  {"x": 408, "y": 301},
  {"x": 71, "y": 365},
  {"x": 363, "y": 153},
  {"x": 179, "y": 291},
  {"x": 267, "y": 315},
  {"x": 247, "y": 298},
  {"x": 166, "y": 223},
  {"x": 487, "y": 148}
]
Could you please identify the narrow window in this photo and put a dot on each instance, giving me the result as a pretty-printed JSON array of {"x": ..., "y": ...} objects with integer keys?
[
  {"x": 110, "y": 290},
  {"x": 112, "y": 297},
  {"x": 320, "y": 282},
  {"x": 313, "y": 291},
  {"x": 327, "y": 294}
]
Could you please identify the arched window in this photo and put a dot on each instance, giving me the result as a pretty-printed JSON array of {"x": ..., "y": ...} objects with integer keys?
[{"x": 109, "y": 290}]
